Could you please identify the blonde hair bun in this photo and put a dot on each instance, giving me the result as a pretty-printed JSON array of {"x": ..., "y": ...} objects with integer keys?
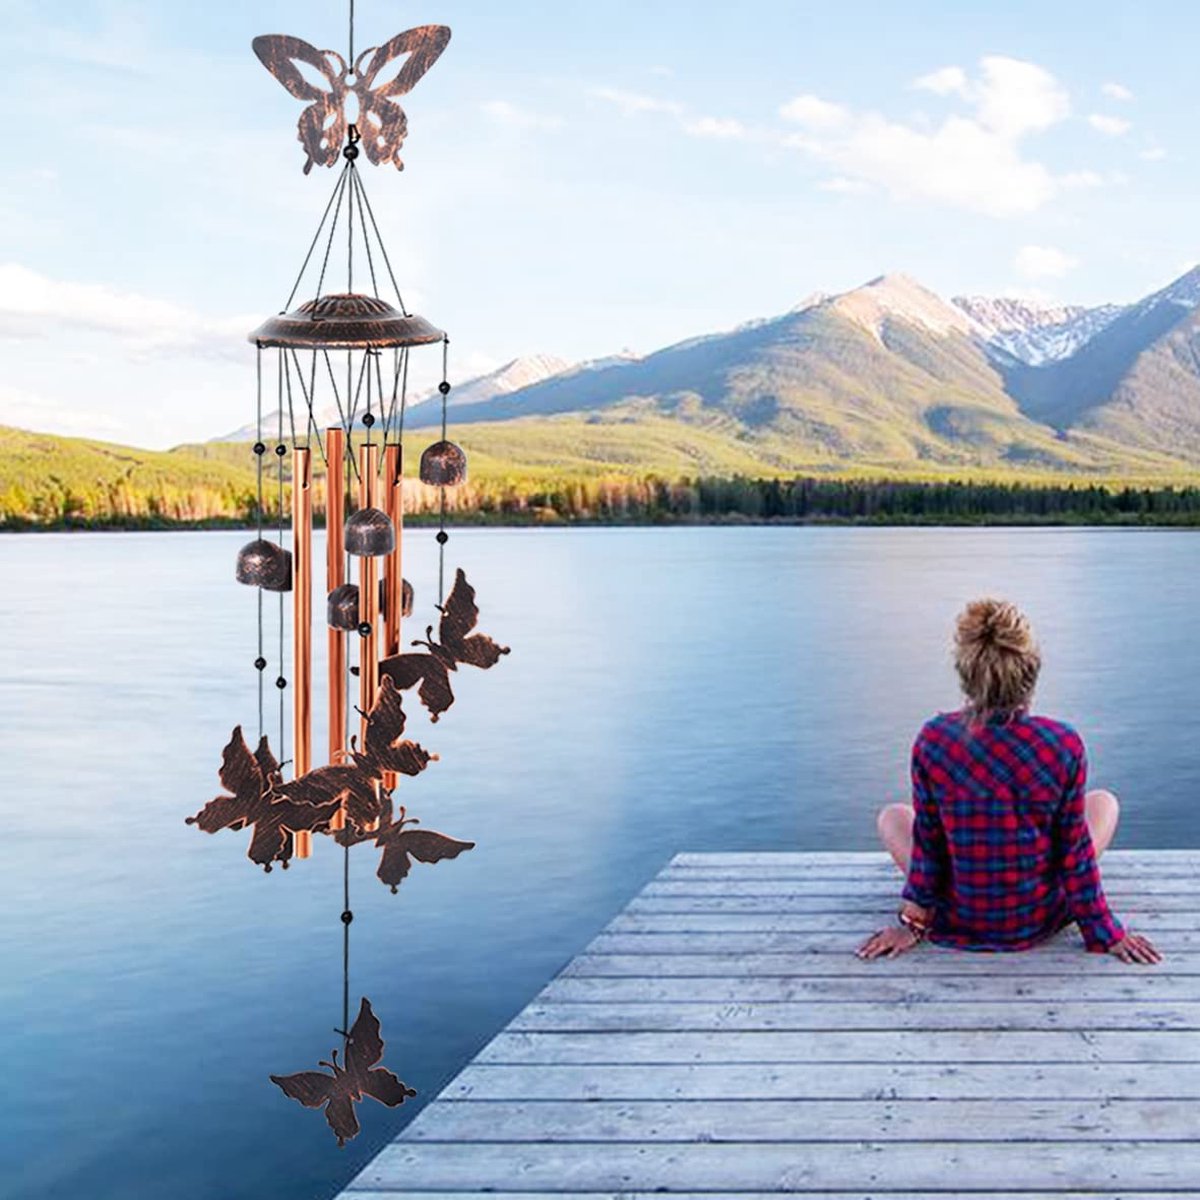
[{"x": 996, "y": 656}]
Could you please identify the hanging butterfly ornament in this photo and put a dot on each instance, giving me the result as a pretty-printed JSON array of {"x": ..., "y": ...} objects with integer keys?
[
  {"x": 345, "y": 349},
  {"x": 382, "y": 123}
]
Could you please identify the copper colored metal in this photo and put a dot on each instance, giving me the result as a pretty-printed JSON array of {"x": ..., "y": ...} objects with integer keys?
[
  {"x": 302, "y": 624},
  {"x": 443, "y": 465},
  {"x": 266, "y": 565},
  {"x": 323, "y": 127},
  {"x": 256, "y": 800},
  {"x": 345, "y": 321},
  {"x": 368, "y": 585},
  {"x": 458, "y": 645},
  {"x": 370, "y": 532},
  {"x": 393, "y": 588},
  {"x": 350, "y": 1081},
  {"x": 354, "y": 784},
  {"x": 335, "y": 577}
]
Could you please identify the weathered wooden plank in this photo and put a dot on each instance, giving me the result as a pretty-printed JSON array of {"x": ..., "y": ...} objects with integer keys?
[
  {"x": 888, "y": 889},
  {"x": 864, "y": 1046},
  {"x": 822, "y": 1080},
  {"x": 874, "y": 873},
  {"x": 603, "y": 1017},
  {"x": 623, "y": 1194},
  {"x": 819, "y": 923},
  {"x": 1102, "y": 990},
  {"x": 832, "y": 955},
  {"x": 788, "y": 1166},
  {"x": 647, "y": 903},
  {"x": 854, "y": 858},
  {"x": 751, "y": 1121}
]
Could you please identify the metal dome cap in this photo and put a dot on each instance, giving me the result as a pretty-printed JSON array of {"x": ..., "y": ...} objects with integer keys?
[{"x": 345, "y": 321}]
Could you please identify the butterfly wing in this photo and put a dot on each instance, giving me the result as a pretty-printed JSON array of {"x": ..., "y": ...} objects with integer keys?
[
  {"x": 365, "y": 1047},
  {"x": 241, "y": 775},
  {"x": 339, "y": 1112},
  {"x": 380, "y": 1084},
  {"x": 268, "y": 764},
  {"x": 311, "y": 1088},
  {"x": 405, "y": 670},
  {"x": 384, "y": 748},
  {"x": 425, "y": 845},
  {"x": 383, "y": 124},
  {"x": 459, "y": 616},
  {"x": 322, "y": 125}
]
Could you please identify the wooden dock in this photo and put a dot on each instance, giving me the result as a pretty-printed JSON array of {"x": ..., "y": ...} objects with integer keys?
[{"x": 719, "y": 1037}]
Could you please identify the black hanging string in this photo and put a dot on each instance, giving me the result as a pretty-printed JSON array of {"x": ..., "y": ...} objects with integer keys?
[
  {"x": 337, "y": 191},
  {"x": 342, "y": 418},
  {"x": 286, "y": 371},
  {"x": 356, "y": 185},
  {"x": 280, "y": 451},
  {"x": 259, "y": 448},
  {"x": 311, "y": 431},
  {"x": 362, "y": 191},
  {"x": 442, "y": 536},
  {"x": 333, "y": 228}
]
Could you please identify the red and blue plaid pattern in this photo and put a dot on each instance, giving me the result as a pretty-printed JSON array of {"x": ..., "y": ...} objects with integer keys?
[{"x": 1001, "y": 850}]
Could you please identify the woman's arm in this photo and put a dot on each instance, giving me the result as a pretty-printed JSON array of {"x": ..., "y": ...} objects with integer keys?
[
  {"x": 927, "y": 869},
  {"x": 1077, "y": 862}
]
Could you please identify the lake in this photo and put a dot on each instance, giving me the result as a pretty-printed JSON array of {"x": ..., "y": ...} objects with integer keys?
[{"x": 667, "y": 690}]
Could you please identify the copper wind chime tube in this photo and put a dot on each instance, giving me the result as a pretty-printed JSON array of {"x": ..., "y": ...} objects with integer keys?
[
  {"x": 368, "y": 588},
  {"x": 302, "y": 625},
  {"x": 393, "y": 582},
  {"x": 335, "y": 576}
]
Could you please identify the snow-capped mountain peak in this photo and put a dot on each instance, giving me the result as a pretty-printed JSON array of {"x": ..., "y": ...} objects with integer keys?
[
  {"x": 898, "y": 297},
  {"x": 1035, "y": 333}
]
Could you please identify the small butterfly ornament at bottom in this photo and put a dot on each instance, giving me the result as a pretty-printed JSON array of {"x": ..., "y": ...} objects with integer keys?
[
  {"x": 381, "y": 124},
  {"x": 350, "y": 1081}
]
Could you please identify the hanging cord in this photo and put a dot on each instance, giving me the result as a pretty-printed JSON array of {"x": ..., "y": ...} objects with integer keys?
[
  {"x": 286, "y": 371},
  {"x": 280, "y": 451},
  {"x": 352, "y": 177},
  {"x": 311, "y": 431},
  {"x": 350, "y": 59},
  {"x": 259, "y": 450},
  {"x": 341, "y": 416},
  {"x": 362, "y": 191},
  {"x": 332, "y": 228},
  {"x": 442, "y": 536},
  {"x": 356, "y": 185},
  {"x": 337, "y": 189}
]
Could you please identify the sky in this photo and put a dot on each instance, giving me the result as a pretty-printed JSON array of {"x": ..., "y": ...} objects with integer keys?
[{"x": 580, "y": 179}]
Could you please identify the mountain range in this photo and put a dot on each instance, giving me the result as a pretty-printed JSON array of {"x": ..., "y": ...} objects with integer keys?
[{"x": 888, "y": 374}]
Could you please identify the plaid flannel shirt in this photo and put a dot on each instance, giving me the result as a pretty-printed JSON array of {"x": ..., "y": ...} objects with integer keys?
[{"x": 1001, "y": 850}]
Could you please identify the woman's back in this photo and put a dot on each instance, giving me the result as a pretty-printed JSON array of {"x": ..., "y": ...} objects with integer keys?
[{"x": 1001, "y": 849}]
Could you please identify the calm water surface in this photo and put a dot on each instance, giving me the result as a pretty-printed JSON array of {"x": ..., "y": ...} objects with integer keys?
[{"x": 699, "y": 689}]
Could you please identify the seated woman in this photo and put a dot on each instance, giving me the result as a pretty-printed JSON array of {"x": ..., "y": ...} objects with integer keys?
[{"x": 1000, "y": 844}]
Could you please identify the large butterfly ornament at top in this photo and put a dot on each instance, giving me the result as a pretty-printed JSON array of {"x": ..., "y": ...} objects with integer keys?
[
  {"x": 254, "y": 779},
  {"x": 358, "y": 1077},
  {"x": 381, "y": 123},
  {"x": 458, "y": 645}
]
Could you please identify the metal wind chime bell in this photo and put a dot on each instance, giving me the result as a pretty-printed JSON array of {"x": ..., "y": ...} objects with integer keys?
[{"x": 351, "y": 347}]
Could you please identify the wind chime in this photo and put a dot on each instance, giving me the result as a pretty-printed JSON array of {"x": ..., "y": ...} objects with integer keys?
[{"x": 353, "y": 347}]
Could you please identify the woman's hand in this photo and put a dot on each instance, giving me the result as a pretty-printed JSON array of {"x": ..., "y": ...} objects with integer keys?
[
  {"x": 1133, "y": 947},
  {"x": 887, "y": 943}
]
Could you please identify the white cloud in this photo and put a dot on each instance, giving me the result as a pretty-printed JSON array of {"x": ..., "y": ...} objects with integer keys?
[
  {"x": 633, "y": 103},
  {"x": 1117, "y": 91},
  {"x": 715, "y": 127},
  {"x": 1081, "y": 179},
  {"x": 33, "y": 306},
  {"x": 1110, "y": 126},
  {"x": 1153, "y": 154},
  {"x": 659, "y": 69},
  {"x": 505, "y": 113},
  {"x": 973, "y": 161},
  {"x": 839, "y": 183},
  {"x": 943, "y": 81},
  {"x": 814, "y": 113},
  {"x": 44, "y": 414},
  {"x": 1043, "y": 262}
]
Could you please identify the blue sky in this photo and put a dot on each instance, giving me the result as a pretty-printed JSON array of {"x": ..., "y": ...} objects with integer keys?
[{"x": 579, "y": 178}]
